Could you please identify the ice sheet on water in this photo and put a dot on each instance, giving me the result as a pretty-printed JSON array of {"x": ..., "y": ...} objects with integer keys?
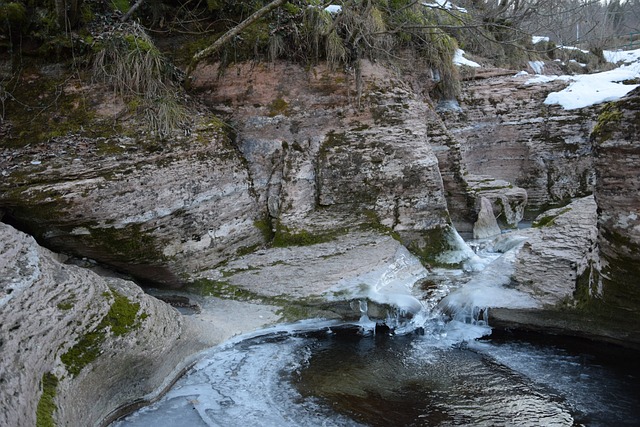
[{"x": 240, "y": 385}]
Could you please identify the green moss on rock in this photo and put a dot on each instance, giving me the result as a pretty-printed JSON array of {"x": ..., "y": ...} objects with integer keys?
[
  {"x": 608, "y": 122},
  {"x": 129, "y": 243},
  {"x": 431, "y": 245},
  {"x": 548, "y": 220},
  {"x": 278, "y": 107},
  {"x": 285, "y": 237},
  {"x": 123, "y": 317},
  {"x": 46, "y": 404},
  {"x": 221, "y": 289}
]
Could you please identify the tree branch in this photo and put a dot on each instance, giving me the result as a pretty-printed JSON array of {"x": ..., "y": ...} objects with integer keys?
[
  {"x": 210, "y": 50},
  {"x": 130, "y": 12}
]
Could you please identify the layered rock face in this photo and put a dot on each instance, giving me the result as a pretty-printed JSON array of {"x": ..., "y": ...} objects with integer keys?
[
  {"x": 155, "y": 211},
  {"x": 301, "y": 152},
  {"x": 75, "y": 346},
  {"x": 558, "y": 250},
  {"x": 507, "y": 133},
  {"x": 322, "y": 158},
  {"x": 617, "y": 192}
]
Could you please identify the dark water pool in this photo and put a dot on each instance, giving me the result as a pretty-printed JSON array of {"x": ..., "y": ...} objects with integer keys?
[{"x": 336, "y": 376}]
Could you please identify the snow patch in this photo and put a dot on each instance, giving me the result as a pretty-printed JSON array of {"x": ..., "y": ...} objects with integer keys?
[
  {"x": 444, "y": 4},
  {"x": 459, "y": 59},
  {"x": 538, "y": 39},
  {"x": 590, "y": 89},
  {"x": 626, "y": 57},
  {"x": 333, "y": 9}
]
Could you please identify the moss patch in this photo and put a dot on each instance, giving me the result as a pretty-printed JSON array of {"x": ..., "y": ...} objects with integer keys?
[
  {"x": 265, "y": 227},
  {"x": 431, "y": 245},
  {"x": 608, "y": 122},
  {"x": 285, "y": 237},
  {"x": 46, "y": 405},
  {"x": 278, "y": 107},
  {"x": 289, "y": 309},
  {"x": 121, "y": 319},
  {"x": 548, "y": 220},
  {"x": 130, "y": 243},
  {"x": 221, "y": 289}
]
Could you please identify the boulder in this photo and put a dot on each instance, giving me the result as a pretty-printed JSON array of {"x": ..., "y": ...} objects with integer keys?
[
  {"x": 486, "y": 225},
  {"x": 76, "y": 347},
  {"x": 559, "y": 248}
]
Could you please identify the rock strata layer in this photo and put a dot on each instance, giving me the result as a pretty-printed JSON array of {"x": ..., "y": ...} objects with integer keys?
[
  {"x": 617, "y": 192},
  {"x": 76, "y": 346},
  {"x": 508, "y": 133}
]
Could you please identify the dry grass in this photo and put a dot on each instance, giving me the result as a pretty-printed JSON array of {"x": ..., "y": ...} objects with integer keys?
[{"x": 128, "y": 61}]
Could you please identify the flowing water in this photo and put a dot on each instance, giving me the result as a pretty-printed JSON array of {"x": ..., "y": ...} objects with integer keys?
[{"x": 433, "y": 370}]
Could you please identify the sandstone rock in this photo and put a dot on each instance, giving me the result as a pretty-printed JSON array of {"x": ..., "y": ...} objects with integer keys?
[
  {"x": 617, "y": 192},
  {"x": 508, "y": 202},
  {"x": 555, "y": 266},
  {"x": 157, "y": 215},
  {"x": 106, "y": 343},
  {"x": 313, "y": 153},
  {"x": 327, "y": 277},
  {"x": 486, "y": 225},
  {"x": 507, "y": 133},
  {"x": 559, "y": 249}
]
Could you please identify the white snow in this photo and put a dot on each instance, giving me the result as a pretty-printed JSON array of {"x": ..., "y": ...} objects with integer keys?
[
  {"x": 538, "y": 39},
  {"x": 444, "y": 4},
  {"x": 591, "y": 89},
  {"x": 333, "y": 8},
  {"x": 521, "y": 73},
  {"x": 626, "y": 57},
  {"x": 459, "y": 59}
]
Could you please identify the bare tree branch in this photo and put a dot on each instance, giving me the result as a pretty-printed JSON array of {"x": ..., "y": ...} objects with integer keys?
[
  {"x": 131, "y": 11},
  {"x": 210, "y": 50}
]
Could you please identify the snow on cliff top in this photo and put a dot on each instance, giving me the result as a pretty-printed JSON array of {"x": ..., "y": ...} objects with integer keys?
[{"x": 590, "y": 89}]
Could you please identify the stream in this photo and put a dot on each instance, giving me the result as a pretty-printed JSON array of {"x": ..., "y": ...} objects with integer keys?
[{"x": 442, "y": 366}]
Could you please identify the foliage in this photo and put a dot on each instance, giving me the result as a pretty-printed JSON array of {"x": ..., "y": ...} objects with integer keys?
[{"x": 12, "y": 15}]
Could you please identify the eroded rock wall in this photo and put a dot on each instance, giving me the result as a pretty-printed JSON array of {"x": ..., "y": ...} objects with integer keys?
[
  {"x": 617, "y": 192},
  {"x": 76, "y": 346},
  {"x": 155, "y": 209},
  {"x": 508, "y": 133},
  {"x": 323, "y": 158}
]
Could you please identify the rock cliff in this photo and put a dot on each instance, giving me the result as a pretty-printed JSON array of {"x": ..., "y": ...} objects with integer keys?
[
  {"x": 155, "y": 209},
  {"x": 617, "y": 193},
  {"x": 508, "y": 133},
  {"x": 322, "y": 158},
  {"x": 75, "y": 346},
  {"x": 299, "y": 157}
]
